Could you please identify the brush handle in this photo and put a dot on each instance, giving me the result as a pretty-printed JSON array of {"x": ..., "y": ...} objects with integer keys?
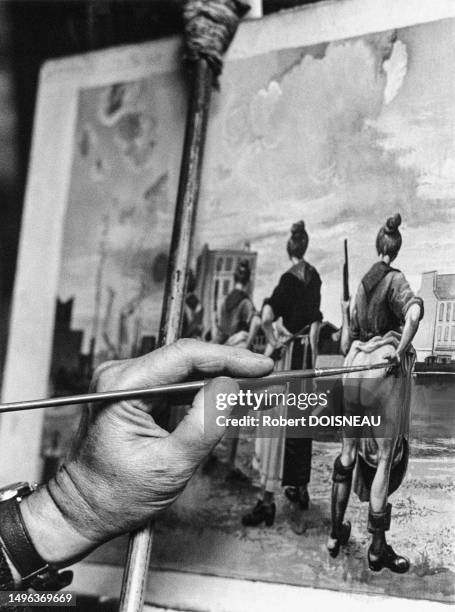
[{"x": 185, "y": 390}]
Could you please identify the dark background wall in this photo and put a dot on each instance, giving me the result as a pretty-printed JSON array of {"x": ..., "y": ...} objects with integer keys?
[{"x": 30, "y": 33}]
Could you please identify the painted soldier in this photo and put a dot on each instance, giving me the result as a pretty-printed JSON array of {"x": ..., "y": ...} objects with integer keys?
[
  {"x": 239, "y": 321},
  {"x": 384, "y": 321},
  {"x": 291, "y": 320},
  {"x": 238, "y": 325}
]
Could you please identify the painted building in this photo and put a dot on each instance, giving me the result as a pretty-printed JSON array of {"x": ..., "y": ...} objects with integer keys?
[
  {"x": 436, "y": 334},
  {"x": 215, "y": 279},
  {"x": 67, "y": 342}
]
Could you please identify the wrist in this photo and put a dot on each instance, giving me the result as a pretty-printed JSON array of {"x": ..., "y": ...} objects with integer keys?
[
  {"x": 90, "y": 501},
  {"x": 53, "y": 534}
]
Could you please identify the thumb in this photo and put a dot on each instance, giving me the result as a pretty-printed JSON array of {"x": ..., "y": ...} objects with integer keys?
[{"x": 200, "y": 429}]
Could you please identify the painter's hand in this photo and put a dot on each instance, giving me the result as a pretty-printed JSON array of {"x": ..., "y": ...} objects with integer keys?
[{"x": 124, "y": 468}]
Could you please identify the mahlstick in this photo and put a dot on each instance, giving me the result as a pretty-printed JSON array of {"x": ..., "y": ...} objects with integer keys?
[{"x": 209, "y": 28}]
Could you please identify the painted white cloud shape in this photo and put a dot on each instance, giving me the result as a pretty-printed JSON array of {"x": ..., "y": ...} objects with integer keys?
[{"x": 395, "y": 68}]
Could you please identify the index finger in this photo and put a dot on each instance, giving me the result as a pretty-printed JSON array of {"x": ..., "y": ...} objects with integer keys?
[{"x": 184, "y": 358}]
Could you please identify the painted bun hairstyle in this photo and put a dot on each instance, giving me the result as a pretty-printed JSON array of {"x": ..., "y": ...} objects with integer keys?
[
  {"x": 242, "y": 272},
  {"x": 298, "y": 242},
  {"x": 389, "y": 240}
]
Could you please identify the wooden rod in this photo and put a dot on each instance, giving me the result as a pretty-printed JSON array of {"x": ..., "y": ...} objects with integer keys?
[
  {"x": 138, "y": 557},
  {"x": 188, "y": 193}
]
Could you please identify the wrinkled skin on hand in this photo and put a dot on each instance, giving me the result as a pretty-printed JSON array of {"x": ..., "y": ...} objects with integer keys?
[{"x": 124, "y": 468}]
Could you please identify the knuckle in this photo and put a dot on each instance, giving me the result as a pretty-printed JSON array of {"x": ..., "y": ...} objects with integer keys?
[
  {"x": 105, "y": 375},
  {"x": 186, "y": 345}
]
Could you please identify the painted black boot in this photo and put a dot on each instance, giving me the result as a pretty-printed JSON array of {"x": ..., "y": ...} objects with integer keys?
[
  {"x": 304, "y": 499},
  {"x": 261, "y": 513},
  {"x": 298, "y": 495},
  {"x": 341, "y": 489},
  {"x": 339, "y": 539},
  {"x": 292, "y": 494},
  {"x": 388, "y": 559},
  {"x": 378, "y": 524}
]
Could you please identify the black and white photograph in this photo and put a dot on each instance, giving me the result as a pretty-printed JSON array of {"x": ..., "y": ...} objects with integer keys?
[{"x": 228, "y": 297}]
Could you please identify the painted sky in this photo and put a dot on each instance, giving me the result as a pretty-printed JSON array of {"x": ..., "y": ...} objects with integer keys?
[
  {"x": 340, "y": 135},
  {"x": 120, "y": 206}
]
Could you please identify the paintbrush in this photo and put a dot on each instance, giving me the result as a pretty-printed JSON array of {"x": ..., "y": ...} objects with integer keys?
[{"x": 184, "y": 389}]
